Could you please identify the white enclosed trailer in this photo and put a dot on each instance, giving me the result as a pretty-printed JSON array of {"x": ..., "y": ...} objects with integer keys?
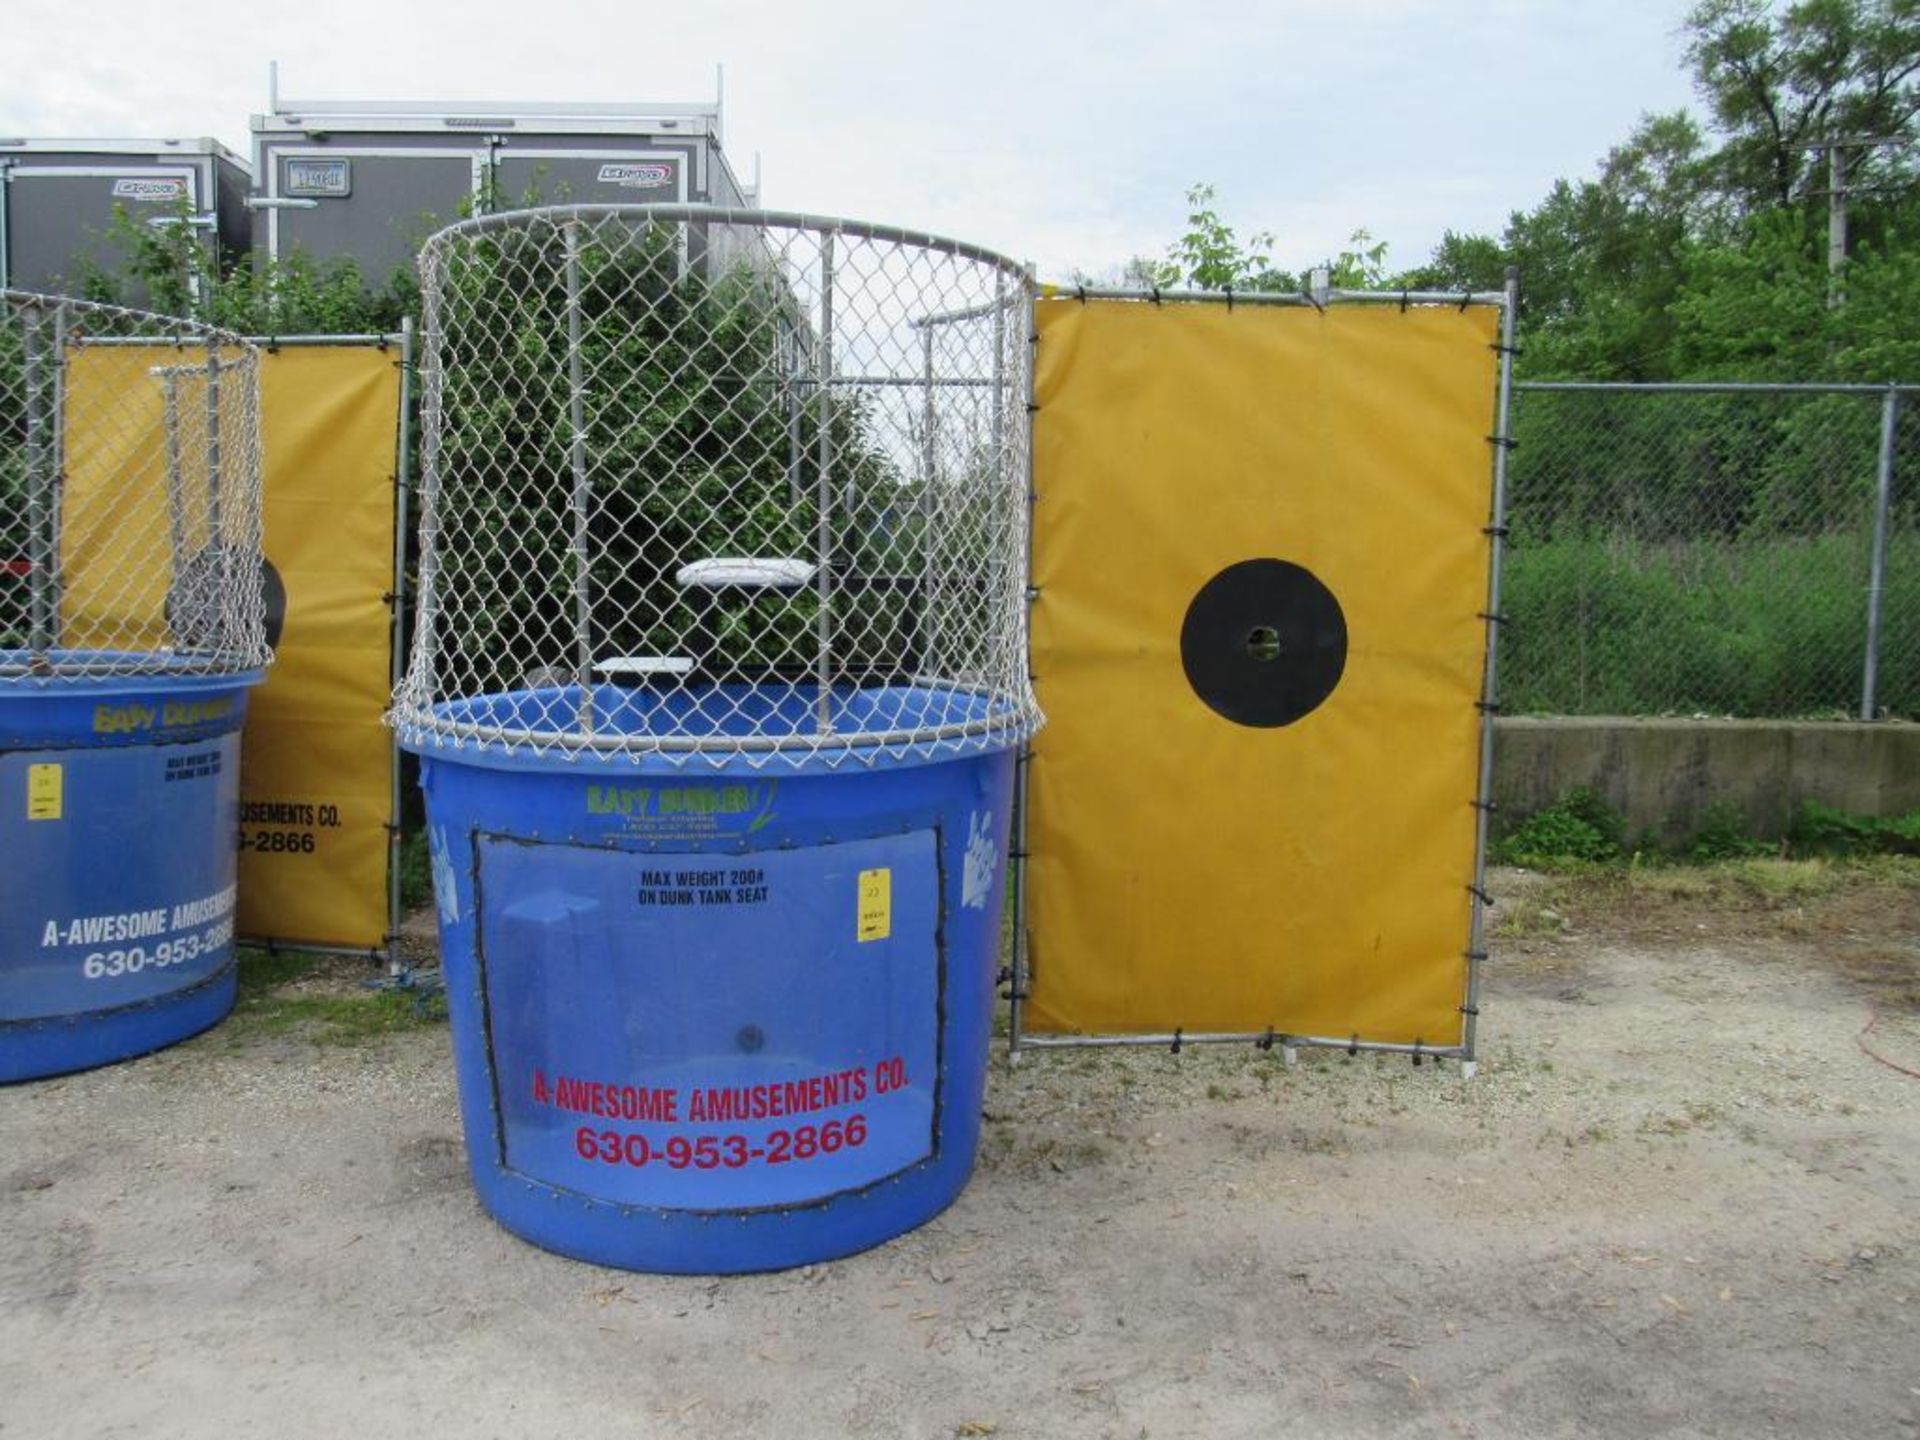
[
  {"x": 58, "y": 200},
  {"x": 370, "y": 180}
]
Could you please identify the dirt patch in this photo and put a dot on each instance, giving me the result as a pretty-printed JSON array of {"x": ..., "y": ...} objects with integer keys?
[
  {"x": 1862, "y": 918},
  {"x": 1678, "y": 1199}
]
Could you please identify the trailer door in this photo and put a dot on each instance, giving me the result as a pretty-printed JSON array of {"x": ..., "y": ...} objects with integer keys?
[
  {"x": 59, "y": 219},
  {"x": 373, "y": 205}
]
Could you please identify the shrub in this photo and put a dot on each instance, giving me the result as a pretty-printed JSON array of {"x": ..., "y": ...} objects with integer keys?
[{"x": 1582, "y": 828}]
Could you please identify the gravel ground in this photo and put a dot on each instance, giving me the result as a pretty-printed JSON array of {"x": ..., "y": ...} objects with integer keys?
[{"x": 1678, "y": 1199}]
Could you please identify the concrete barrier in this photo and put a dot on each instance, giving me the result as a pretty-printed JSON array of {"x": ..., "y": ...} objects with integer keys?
[{"x": 1664, "y": 775}]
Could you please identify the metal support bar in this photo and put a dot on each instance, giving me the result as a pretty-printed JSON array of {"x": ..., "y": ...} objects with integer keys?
[
  {"x": 1185, "y": 1037},
  {"x": 40, "y": 486},
  {"x": 1267, "y": 297},
  {"x": 432, "y": 386},
  {"x": 196, "y": 367},
  {"x": 1023, "y": 765},
  {"x": 1022, "y": 950},
  {"x": 176, "y": 475},
  {"x": 1708, "y": 387},
  {"x": 213, "y": 446},
  {"x": 791, "y": 394},
  {"x": 823, "y": 496},
  {"x": 403, "y": 487},
  {"x": 923, "y": 634},
  {"x": 57, "y": 469},
  {"x": 900, "y": 382},
  {"x": 582, "y": 499},
  {"x": 1490, "y": 675},
  {"x": 1877, "y": 578}
]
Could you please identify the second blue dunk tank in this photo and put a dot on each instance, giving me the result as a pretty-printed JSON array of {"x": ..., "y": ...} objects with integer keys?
[
  {"x": 711, "y": 1021},
  {"x": 132, "y": 624},
  {"x": 118, "y": 796}
]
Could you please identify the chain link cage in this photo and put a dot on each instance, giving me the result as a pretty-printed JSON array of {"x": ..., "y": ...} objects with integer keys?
[
  {"x": 703, "y": 483},
  {"x": 129, "y": 494},
  {"x": 1684, "y": 551}
]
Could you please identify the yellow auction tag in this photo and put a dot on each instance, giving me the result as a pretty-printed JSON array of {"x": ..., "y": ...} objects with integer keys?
[
  {"x": 876, "y": 905},
  {"x": 45, "y": 789}
]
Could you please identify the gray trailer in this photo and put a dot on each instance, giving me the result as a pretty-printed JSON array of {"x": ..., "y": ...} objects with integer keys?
[
  {"x": 58, "y": 200},
  {"x": 369, "y": 181}
]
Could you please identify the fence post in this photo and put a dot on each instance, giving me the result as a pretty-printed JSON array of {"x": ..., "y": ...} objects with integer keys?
[
  {"x": 823, "y": 493},
  {"x": 1877, "y": 581},
  {"x": 582, "y": 485},
  {"x": 1490, "y": 676},
  {"x": 42, "y": 487}
]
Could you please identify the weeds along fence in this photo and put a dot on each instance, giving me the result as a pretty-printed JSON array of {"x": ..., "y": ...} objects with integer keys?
[{"x": 1714, "y": 549}]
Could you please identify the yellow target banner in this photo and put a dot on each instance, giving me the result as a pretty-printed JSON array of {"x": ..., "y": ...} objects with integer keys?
[{"x": 1261, "y": 556}]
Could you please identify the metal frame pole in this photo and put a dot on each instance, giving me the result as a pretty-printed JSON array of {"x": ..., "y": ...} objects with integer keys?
[
  {"x": 39, "y": 487},
  {"x": 576, "y": 414},
  {"x": 176, "y": 474},
  {"x": 823, "y": 495},
  {"x": 213, "y": 445},
  {"x": 422, "y": 674},
  {"x": 793, "y": 380},
  {"x": 403, "y": 487},
  {"x": 1023, "y": 762},
  {"x": 924, "y": 646},
  {"x": 1877, "y": 578},
  {"x": 1490, "y": 681},
  {"x": 57, "y": 469}
]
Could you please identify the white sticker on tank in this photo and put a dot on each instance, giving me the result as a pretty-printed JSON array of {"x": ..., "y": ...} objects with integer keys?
[
  {"x": 982, "y": 862},
  {"x": 444, "y": 892}
]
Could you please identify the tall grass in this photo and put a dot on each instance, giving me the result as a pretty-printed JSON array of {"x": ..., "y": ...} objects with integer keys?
[{"x": 1761, "y": 627}]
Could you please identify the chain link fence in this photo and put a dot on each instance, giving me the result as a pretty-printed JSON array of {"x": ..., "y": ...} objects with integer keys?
[
  {"x": 721, "y": 483},
  {"x": 1748, "y": 551},
  {"x": 129, "y": 493}
]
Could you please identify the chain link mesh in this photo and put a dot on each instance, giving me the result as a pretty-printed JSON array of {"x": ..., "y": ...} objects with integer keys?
[
  {"x": 726, "y": 484},
  {"x": 1680, "y": 552},
  {"x": 129, "y": 493}
]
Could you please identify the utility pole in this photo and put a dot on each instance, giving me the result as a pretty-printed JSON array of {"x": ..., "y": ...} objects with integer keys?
[
  {"x": 1836, "y": 224},
  {"x": 1838, "y": 191}
]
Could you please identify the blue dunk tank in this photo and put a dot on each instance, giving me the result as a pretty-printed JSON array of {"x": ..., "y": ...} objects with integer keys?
[
  {"x": 131, "y": 626},
  {"x": 717, "y": 686}
]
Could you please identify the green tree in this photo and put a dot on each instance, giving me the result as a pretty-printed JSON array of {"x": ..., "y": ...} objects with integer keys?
[
  {"x": 169, "y": 269},
  {"x": 1779, "y": 79},
  {"x": 1601, "y": 260},
  {"x": 1461, "y": 262},
  {"x": 1209, "y": 255}
]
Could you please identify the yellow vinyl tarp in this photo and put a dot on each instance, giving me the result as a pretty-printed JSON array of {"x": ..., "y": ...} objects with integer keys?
[
  {"x": 316, "y": 759},
  {"x": 316, "y": 776},
  {"x": 136, "y": 495},
  {"x": 1190, "y": 872}
]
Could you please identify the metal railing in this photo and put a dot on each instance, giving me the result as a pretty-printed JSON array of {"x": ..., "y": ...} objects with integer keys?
[
  {"x": 1748, "y": 550},
  {"x": 702, "y": 482},
  {"x": 129, "y": 494}
]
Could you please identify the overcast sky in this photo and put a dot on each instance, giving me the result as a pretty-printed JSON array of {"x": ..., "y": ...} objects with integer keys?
[{"x": 1061, "y": 131}]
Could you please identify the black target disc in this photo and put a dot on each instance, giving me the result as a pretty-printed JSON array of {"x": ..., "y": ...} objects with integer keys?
[
  {"x": 195, "y": 603},
  {"x": 1264, "y": 643},
  {"x": 273, "y": 596}
]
